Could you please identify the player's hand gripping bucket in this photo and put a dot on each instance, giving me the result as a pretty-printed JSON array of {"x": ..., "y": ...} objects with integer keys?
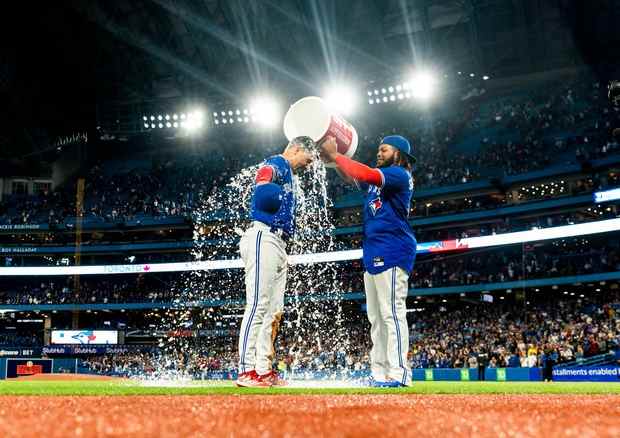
[{"x": 311, "y": 117}]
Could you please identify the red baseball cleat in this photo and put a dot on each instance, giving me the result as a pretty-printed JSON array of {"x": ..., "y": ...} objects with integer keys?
[
  {"x": 273, "y": 378},
  {"x": 246, "y": 379}
]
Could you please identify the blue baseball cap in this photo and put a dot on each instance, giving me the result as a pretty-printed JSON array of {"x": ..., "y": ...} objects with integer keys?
[{"x": 400, "y": 143}]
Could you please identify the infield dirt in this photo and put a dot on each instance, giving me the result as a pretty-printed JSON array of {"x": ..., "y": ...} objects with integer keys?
[{"x": 310, "y": 415}]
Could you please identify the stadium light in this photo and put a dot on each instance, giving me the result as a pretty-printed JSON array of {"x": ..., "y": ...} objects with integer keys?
[
  {"x": 229, "y": 117},
  {"x": 195, "y": 120},
  {"x": 265, "y": 111},
  {"x": 422, "y": 85},
  {"x": 341, "y": 99}
]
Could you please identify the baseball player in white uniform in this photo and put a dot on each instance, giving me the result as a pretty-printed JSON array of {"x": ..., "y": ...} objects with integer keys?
[
  {"x": 389, "y": 250},
  {"x": 263, "y": 251}
]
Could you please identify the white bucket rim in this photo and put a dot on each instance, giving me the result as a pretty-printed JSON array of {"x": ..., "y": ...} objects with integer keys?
[{"x": 315, "y": 131}]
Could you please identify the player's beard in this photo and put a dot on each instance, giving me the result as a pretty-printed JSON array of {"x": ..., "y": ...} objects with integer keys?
[{"x": 386, "y": 162}]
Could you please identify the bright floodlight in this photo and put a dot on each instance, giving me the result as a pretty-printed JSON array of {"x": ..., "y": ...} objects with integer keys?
[
  {"x": 422, "y": 85},
  {"x": 341, "y": 99},
  {"x": 195, "y": 120},
  {"x": 265, "y": 111}
]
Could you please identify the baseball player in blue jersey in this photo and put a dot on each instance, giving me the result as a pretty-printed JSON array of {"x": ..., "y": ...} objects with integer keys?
[
  {"x": 389, "y": 249},
  {"x": 263, "y": 250}
]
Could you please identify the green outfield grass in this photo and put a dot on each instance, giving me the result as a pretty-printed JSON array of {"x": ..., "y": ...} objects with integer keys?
[{"x": 226, "y": 388}]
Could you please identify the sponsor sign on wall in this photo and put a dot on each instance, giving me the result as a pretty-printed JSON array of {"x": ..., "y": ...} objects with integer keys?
[
  {"x": 608, "y": 373},
  {"x": 84, "y": 337}
]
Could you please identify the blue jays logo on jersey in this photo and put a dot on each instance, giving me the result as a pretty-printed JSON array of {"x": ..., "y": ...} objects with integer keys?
[{"x": 375, "y": 205}]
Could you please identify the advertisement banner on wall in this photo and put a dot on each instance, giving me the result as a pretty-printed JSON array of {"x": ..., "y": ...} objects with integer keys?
[
  {"x": 501, "y": 374},
  {"x": 16, "y": 352},
  {"x": 75, "y": 350},
  {"x": 84, "y": 337},
  {"x": 27, "y": 367},
  {"x": 608, "y": 373}
]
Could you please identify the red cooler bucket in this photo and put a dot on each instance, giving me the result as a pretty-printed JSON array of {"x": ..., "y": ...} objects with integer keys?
[{"x": 312, "y": 118}]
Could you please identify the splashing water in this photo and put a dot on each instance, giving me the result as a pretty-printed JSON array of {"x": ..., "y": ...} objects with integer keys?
[
  {"x": 313, "y": 323},
  {"x": 316, "y": 330}
]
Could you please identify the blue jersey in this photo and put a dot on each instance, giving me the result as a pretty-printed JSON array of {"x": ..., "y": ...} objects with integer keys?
[
  {"x": 388, "y": 237},
  {"x": 284, "y": 218}
]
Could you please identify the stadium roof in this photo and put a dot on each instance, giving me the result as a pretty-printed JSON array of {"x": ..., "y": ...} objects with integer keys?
[{"x": 61, "y": 58}]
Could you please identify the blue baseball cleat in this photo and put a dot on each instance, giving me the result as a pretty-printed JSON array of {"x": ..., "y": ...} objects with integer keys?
[{"x": 384, "y": 383}]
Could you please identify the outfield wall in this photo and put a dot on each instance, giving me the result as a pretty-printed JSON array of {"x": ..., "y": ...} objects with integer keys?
[
  {"x": 603, "y": 373},
  {"x": 470, "y": 374},
  {"x": 13, "y": 367}
]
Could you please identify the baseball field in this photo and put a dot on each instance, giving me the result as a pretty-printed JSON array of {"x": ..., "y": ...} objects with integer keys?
[{"x": 128, "y": 408}]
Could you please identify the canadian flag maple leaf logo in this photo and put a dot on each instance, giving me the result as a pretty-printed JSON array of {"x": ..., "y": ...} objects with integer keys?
[{"x": 147, "y": 268}]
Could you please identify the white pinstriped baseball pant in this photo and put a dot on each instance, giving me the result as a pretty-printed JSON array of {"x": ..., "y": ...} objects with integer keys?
[
  {"x": 264, "y": 256},
  {"x": 386, "y": 295}
]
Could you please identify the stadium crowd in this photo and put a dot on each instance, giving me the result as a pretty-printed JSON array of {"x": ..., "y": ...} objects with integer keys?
[
  {"x": 63, "y": 290},
  {"x": 509, "y": 336},
  {"x": 541, "y": 260},
  {"x": 455, "y": 335},
  {"x": 13, "y": 338},
  {"x": 548, "y": 125},
  {"x": 576, "y": 256},
  {"x": 484, "y": 138}
]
